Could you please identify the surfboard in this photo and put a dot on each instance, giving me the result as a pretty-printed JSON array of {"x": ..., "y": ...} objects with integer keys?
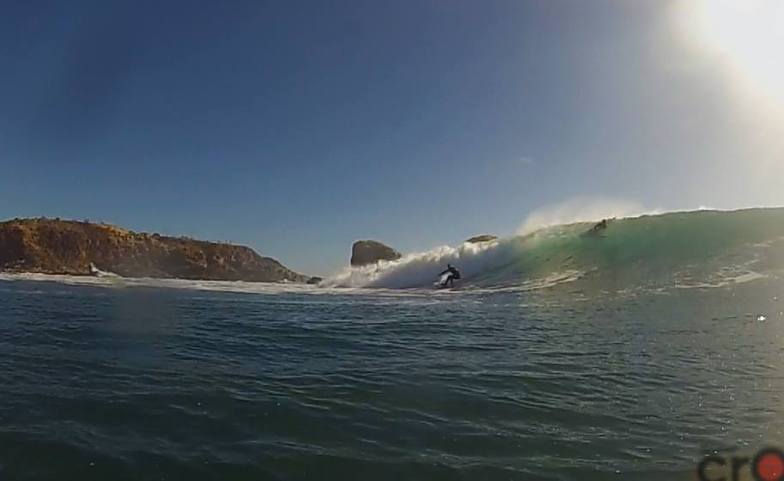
[
  {"x": 439, "y": 284},
  {"x": 442, "y": 278}
]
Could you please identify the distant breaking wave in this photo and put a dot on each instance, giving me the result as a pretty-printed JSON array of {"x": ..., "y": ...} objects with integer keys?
[
  {"x": 99, "y": 273},
  {"x": 680, "y": 249}
]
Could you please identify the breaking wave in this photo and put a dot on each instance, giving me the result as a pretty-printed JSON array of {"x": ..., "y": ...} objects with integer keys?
[{"x": 683, "y": 249}]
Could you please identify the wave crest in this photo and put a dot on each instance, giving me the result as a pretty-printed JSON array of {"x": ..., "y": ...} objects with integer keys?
[{"x": 700, "y": 246}]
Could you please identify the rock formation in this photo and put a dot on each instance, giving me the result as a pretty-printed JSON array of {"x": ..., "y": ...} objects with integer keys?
[
  {"x": 365, "y": 252},
  {"x": 69, "y": 247},
  {"x": 481, "y": 238}
]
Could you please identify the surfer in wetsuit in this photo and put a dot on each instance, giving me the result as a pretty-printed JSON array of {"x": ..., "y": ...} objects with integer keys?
[
  {"x": 601, "y": 225},
  {"x": 452, "y": 274},
  {"x": 598, "y": 227}
]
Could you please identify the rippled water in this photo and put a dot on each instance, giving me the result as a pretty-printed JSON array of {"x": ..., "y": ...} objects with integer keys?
[{"x": 142, "y": 383}]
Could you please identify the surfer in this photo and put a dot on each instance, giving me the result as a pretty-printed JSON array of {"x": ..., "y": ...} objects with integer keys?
[
  {"x": 600, "y": 226},
  {"x": 451, "y": 274},
  {"x": 597, "y": 229}
]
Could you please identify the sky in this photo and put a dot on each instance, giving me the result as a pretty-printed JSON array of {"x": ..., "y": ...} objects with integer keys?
[{"x": 297, "y": 127}]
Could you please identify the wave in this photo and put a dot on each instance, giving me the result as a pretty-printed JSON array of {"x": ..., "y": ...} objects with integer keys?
[
  {"x": 422, "y": 269},
  {"x": 117, "y": 282},
  {"x": 99, "y": 273},
  {"x": 685, "y": 249}
]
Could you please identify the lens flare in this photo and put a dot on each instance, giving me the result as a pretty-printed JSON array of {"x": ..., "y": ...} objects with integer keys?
[{"x": 747, "y": 34}]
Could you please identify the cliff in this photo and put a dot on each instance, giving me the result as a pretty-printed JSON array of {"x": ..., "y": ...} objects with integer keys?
[{"x": 69, "y": 247}]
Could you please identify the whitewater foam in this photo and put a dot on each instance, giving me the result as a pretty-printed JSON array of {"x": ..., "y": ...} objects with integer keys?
[
  {"x": 421, "y": 269},
  {"x": 240, "y": 287}
]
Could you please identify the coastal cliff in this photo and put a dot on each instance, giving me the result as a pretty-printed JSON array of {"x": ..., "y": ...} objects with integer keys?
[{"x": 54, "y": 246}]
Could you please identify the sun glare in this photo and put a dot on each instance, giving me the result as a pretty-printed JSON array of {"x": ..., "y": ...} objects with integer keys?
[{"x": 748, "y": 35}]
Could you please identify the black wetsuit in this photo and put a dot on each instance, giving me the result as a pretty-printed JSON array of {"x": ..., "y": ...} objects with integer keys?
[{"x": 600, "y": 226}]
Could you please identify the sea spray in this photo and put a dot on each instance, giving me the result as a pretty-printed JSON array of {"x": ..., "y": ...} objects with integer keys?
[{"x": 577, "y": 210}]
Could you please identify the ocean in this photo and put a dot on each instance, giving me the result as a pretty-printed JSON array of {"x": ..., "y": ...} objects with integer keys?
[{"x": 630, "y": 354}]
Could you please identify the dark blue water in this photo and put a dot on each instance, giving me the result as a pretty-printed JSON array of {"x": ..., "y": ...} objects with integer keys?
[{"x": 566, "y": 383}]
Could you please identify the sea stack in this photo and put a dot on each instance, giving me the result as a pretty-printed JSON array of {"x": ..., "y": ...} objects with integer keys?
[
  {"x": 366, "y": 252},
  {"x": 481, "y": 238}
]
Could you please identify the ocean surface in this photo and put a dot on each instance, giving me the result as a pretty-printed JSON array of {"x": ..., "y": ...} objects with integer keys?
[{"x": 560, "y": 356}]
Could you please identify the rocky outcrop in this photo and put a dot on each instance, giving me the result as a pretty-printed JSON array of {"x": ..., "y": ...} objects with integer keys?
[
  {"x": 369, "y": 252},
  {"x": 69, "y": 247},
  {"x": 481, "y": 238}
]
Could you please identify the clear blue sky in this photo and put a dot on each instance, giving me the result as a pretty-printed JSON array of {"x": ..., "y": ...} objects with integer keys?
[{"x": 296, "y": 127}]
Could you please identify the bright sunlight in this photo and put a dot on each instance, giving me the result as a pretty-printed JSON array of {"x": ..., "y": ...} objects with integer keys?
[{"x": 747, "y": 34}]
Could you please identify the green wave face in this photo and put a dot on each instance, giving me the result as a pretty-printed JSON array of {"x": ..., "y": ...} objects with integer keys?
[{"x": 702, "y": 247}]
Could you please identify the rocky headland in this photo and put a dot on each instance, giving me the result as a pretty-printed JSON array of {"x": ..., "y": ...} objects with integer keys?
[{"x": 54, "y": 246}]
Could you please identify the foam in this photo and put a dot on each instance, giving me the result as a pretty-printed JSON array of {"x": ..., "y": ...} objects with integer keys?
[{"x": 421, "y": 269}]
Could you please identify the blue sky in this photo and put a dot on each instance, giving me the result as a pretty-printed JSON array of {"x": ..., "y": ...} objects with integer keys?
[{"x": 298, "y": 127}]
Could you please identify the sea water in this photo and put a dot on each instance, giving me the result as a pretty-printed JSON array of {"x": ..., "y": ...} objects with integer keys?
[{"x": 591, "y": 377}]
